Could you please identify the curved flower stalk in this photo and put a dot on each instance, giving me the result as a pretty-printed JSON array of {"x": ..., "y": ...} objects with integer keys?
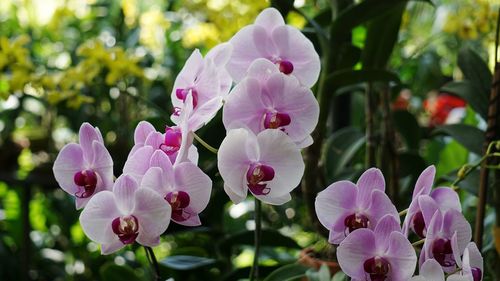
[
  {"x": 442, "y": 198},
  {"x": 124, "y": 216},
  {"x": 447, "y": 237},
  {"x": 269, "y": 99},
  {"x": 380, "y": 254},
  {"x": 281, "y": 44},
  {"x": 268, "y": 164},
  {"x": 344, "y": 206},
  {"x": 184, "y": 187},
  {"x": 84, "y": 169},
  {"x": 207, "y": 80}
]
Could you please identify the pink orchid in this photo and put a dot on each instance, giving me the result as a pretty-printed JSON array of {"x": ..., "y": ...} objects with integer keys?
[
  {"x": 269, "y": 99},
  {"x": 184, "y": 187},
  {"x": 472, "y": 263},
  {"x": 268, "y": 164},
  {"x": 176, "y": 143},
  {"x": 128, "y": 214},
  {"x": 443, "y": 198},
  {"x": 281, "y": 44},
  {"x": 84, "y": 169},
  {"x": 207, "y": 80},
  {"x": 447, "y": 237},
  {"x": 380, "y": 254},
  {"x": 344, "y": 206}
]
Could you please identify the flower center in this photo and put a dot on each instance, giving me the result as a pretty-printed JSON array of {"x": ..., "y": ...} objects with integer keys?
[
  {"x": 182, "y": 95},
  {"x": 377, "y": 268},
  {"x": 179, "y": 200},
  {"x": 356, "y": 221},
  {"x": 275, "y": 120},
  {"x": 87, "y": 181},
  {"x": 173, "y": 140},
  {"x": 256, "y": 175},
  {"x": 443, "y": 253},
  {"x": 418, "y": 225},
  {"x": 476, "y": 274},
  {"x": 285, "y": 66},
  {"x": 127, "y": 228}
]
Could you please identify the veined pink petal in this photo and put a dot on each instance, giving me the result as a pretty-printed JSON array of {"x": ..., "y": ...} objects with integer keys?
[
  {"x": 293, "y": 46},
  {"x": 380, "y": 206},
  {"x": 432, "y": 271},
  {"x": 261, "y": 69},
  {"x": 269, "y": 18},
  {"x": 428, "y": 207},
  {"x": 88, "y": 135},
  {"x": 454, "y": 221},
  {"x": 112, "y": 247},
  {"x": 102, "y": 164},
  {"x": 333, "y": 202},
  {"x": 220, "y": 54},
  {"x": 278, "y": 151},
  {"x": 155, "y": 140},
  {"x": 124, "y": 190},
  {"x": 142, "y": 131},
  {"x": 244, "y": 105},
  {"x": 280, "y": 200},
  {"x": 472, "y": 259},
  {"x": 401, "y": 256},
  {"x": 356, "y": 248},
  {"x": 161, "y": 160},
  {"x": 96, "y": 218},
  {"x": 425, "y": 181},
  {"x": 138, "y": 164},
  {"x": 69, "y": 161},
  {"x": 191, "y": 179},
  {"x": 237, "y": 195},
  {"x": 187, "y": 75},
  {"x": 152, "y": 214},
  {"x": 233, "y": 160},
  {"x": 155, "y": 179},
  {"x": 385, "y": 226},
  {"x": 371, "y": 179},
  {"x": 446, "y": 198}
]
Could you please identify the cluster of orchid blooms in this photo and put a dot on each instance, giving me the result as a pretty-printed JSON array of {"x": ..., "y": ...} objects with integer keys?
[
  {"x": 262, "y": 79},
  {"x": 374, "y": 246}
]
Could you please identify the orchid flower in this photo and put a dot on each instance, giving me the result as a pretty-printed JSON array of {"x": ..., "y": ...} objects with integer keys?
[
  {"x": 268, "y": 164},
  {"x": 431, "y": 270},
  {"x": 344, "y": 206},
  {"x": 176, "y": 143},
  {"x": 281, "y": 44},
  {"x": 269, "y": 99},
  {"x": 184, "y": 187},
  {"x": 447, "y": 236},
  {"x": 380, "y": 254},
  {"x": 443, "y": 198},
  {"x": 84, "y": 169},
  {"x": 128, "y": 214},
  {"x": 207, "y": 80}
]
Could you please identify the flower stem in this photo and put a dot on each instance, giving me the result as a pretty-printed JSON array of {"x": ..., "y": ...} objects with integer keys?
[
  {"x": 204, "y": 144},
  {"x": 254, "y": 271},
  {"x": 154, "y": 263},
  {"x": 418, "y": 243}
]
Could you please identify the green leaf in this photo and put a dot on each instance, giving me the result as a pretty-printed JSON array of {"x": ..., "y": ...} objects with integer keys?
[
  {"x": 340, "y": 149},
  {"x": 363, "y": 12},
  {"x": 348, "y": 77},
  {"x": 182, "y": 262},
  {"x": 339, "y": 276},
  {"x": 476, "y": 71},
  {"x": 466, "y": 90},
  {"x": 470, "y": 137},
  {"x": 381, "y": 36},
  {"x": 407, "y": 125},
  {"x": 287, "y": 273},
  {"x": 113, "y": 272},
  {"x": 268, "y": 238}
]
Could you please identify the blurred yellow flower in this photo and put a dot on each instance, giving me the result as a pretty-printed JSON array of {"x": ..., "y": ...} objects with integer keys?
[
  {"x": 203, "y": 33},
  {"x": 153, "y": 29}
]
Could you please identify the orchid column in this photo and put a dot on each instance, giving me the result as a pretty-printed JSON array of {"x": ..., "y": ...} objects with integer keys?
[{"x": 269, "y": 115}]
